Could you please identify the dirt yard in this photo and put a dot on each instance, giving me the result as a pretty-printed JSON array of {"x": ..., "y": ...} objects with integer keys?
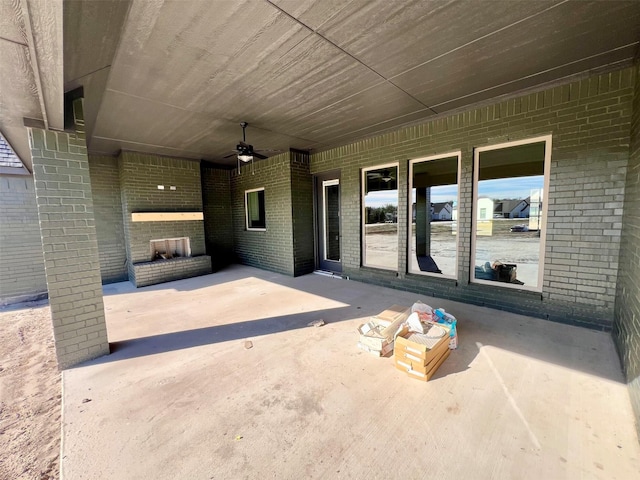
[{"x": 29, "y": 394}]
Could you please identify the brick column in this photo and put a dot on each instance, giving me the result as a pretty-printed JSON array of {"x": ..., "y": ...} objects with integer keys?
[{"x": 67, "y": 229}]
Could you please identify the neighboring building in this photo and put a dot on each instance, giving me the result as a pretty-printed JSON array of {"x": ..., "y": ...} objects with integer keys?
[
  {"x": 512, "y": 209},
  {"x": 441, "y": 211}
]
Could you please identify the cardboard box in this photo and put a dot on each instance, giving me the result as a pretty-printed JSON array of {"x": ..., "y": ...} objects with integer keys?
[
  {"x": 379, "y": 332},
  {"x": 386, "y": 351},
  {"x": 374, "y": 341},
  {"x": 424, "y": 376},
  {"x": 415, "y": 362},
  {"x": 421, "y": 352}
]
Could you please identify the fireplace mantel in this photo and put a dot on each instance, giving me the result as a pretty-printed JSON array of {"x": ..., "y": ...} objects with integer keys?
[{"x": 166, "y": 216}]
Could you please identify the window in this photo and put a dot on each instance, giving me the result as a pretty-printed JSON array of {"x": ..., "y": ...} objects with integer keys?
[
  {"x": 433, "y": 243},
  {"x": 254, "y": 209},
  {"x": 380, "y": 216},
  {"x": 508, "y": 233}
]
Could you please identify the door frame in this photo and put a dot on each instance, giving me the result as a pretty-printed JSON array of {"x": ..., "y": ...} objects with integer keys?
[{"x": 318, "y": 220}]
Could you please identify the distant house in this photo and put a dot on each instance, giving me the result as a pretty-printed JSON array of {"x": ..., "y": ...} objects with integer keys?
[
  {"x": 485, "y": 207},
  {"x": 512, "y": 208},
  {"x": 441, "y": 211}
]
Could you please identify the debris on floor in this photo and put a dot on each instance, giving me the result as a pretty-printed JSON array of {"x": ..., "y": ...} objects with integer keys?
[
  {"x": 248, "y": 344},
  {"x": 316, "y": 323},
  {"x": 420, "y": 338}
]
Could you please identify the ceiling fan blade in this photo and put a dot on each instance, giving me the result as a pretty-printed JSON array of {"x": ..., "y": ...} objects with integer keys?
[
  {"x": 231, "y": 155},
  {"x": 259, "y": 155}
]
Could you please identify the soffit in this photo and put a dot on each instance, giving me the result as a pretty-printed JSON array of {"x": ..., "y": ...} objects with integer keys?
[
  {"x": 31, "y": 69},
  {"x": 177, "y": 78}
]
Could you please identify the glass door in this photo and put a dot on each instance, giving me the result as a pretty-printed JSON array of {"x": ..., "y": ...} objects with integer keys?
[{"x": 328, "y": 220}]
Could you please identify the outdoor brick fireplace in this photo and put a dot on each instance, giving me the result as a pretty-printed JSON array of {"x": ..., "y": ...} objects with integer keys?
[{"x": 164, "y": 227}]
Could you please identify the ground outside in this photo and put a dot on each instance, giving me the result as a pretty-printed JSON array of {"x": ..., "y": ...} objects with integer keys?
[{"x": 221, "y": 377}]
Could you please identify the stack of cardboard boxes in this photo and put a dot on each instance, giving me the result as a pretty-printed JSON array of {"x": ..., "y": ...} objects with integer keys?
[
  {"x": 420, "y": 355},
  {"x": 417, "y": 353}
]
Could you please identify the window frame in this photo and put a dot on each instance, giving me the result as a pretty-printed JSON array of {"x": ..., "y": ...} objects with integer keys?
[
  {"x": 363, "y": 181},
  {"x": 456, "y": 153},
  {"x": 246, "y": 210},
  {"x": 547, "y": 139}
]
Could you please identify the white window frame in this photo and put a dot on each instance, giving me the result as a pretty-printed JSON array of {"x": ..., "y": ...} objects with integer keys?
[
  {"x": 363, "y": 212},
  {"x": 545, "y": 208},
  {"x": 457, "y": 153},
  {"x": 246, "y": 210},
  {"x": 327, "y": 183}
]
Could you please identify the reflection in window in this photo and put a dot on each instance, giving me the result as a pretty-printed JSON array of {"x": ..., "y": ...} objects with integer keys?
[
  {"x": 380, "y": 217},
  {"x": 433, "y": 204},
  {"x": 510, "y": 215},
  {"x": 255, "y": 211}
]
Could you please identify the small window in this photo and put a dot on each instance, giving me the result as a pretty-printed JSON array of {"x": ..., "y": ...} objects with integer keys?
[{"x": 254, "y": 207}]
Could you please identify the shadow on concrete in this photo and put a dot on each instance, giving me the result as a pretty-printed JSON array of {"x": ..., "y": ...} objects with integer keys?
[
  {"x": 572, "y": 347},
  {"x": 250, "y": 329}
]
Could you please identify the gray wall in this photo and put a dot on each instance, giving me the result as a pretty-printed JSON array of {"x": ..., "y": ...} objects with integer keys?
[
  {"x": 287, "y": 244},
  {"x": 21, "y": 262},
  {"x": 107, "y": 205},
  {"x": 271, "y": 249},
  {"x": 218, "y": 221},
  {"x": 590, "y": 122},
  {"x": 626, "y": 329},
  {"x": 302, "y": 214}
]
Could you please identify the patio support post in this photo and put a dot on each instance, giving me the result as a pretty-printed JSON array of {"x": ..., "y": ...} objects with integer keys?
[
  {"x": 69, "y": 243},
  {"x": 423, "y": 221}
]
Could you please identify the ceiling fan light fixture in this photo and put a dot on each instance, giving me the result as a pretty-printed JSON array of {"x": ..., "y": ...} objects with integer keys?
[
  {"x": 243, "y": 157},
  {"x": 386, "y": 177}
]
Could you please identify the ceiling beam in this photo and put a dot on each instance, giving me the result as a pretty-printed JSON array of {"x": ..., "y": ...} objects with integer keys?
[{"x": 43, "y": 25}]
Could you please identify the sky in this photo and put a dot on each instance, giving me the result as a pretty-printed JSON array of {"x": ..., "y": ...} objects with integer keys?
[
  {"x": 381, "y": 198},
  {"x": 496, "y": 189},
  {"x": 518, "y": 188}
]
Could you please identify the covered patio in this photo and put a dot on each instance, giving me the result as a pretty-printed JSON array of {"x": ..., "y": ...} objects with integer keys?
[{"x": 181, "y": 395}]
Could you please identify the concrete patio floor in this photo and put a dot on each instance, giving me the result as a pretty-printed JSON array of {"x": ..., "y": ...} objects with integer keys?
[{"x": 181, "y": 397}]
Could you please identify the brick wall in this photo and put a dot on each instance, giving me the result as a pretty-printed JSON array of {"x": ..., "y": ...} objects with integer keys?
[
  {"x": 590, "y": 122},
  {"x": 21, "y": 263},
  {"x": 287, "y": 244},
  {"x": 140, "y": 175},
  {"x": 105, "y": 185},
  {"x": 302, "y": 214},
  {"x": 270, "y": 249},
  {"x": 67, "y": 228},
  {"x": 218, "y": 221},
  {"x": 626, "y": 329}
]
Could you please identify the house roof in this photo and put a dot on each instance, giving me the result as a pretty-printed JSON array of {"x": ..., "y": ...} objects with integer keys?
[
  {"x": 439, "y": 206},
  {"x": 8, "y": 158},
  {"x": 177, "y": 78},
  {"x": 507, "y": 206}
]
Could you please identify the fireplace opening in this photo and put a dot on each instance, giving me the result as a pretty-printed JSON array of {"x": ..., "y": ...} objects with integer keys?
[{"x": 168, "y": 248}]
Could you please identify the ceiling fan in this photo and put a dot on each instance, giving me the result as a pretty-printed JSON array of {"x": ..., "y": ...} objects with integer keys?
[
  {"x": 243, "y": 150},
  {"x": 385, "y": 175}
]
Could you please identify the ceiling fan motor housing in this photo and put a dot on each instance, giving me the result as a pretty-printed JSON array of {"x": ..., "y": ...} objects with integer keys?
[{"x": 244, "y": 149}]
